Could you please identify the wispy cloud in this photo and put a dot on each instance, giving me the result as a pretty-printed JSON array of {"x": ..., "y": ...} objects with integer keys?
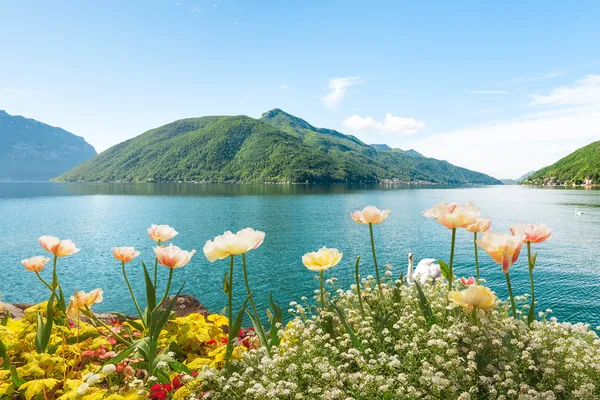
[
  {"x": 339, "y": 90},
  {"x": 196, "y": 10},
  {"x": 584, "y": 91},
  {"x": 286, "y": 86},
  {"x": 489, "y": 92},
  {"x": 391, "y": 123}
]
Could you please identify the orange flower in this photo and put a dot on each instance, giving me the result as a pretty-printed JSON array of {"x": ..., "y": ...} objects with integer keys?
[
  {"x": 172, "y": 256},
  {"x": 502, "y": 247},
  {"x": 481, "y": 225},
  {"x": 81, "y": 300},
  {"x": 454, "y": 216},
  {"x": 370, "y": 215},
  {"x": 534, "y": 233},
  {"x": 164, "y": 233},
  {"x": 35, "y": 264},
  {"x": 60, "y": 248},
  {"x": 125, "y": 254}
]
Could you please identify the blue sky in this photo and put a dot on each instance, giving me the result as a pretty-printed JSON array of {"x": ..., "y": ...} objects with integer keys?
[{"x": 499, "y": 87}]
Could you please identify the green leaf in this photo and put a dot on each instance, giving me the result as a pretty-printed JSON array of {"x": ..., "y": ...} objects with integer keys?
[
  {"x": 6, "y": 318},
  {"x": 355, "y": 340},
  {"x": 150, "y": 290},
  {"x": 123, "y": 355},
  {"x": 277, "y": 318},
  {"x": 165, "y": 315},
  {"x": 226, "y": 287},
  {"x": 533, "y": 260},
  {"x": 179, "y": 367},
  {"x": 425, "y": 306},
  {"x": 16, "y": 379},
  {"x": 235, "y": 328},
  {"x": 260, "y": 332},
  {"x": 4, "y": 355},
  {"x": 445, "y": 269}
]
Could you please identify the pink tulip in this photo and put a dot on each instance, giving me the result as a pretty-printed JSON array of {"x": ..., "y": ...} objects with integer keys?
[
  {"x": 370, "y": 215},
  {"x": 502, "y": 247},
  {"x": 481, "y": 225},
  {"x": 60, "y": 248},
  {"x": 172, "y": 256},
  {"x": 534, "y": 233},
  {"x": 454, "y": 216},
  {"x": 125, "y": 254},
  {"x": 162, "y": 233},
  {"x": 83, "y": 300},
  {"x": 468, "y": 282},
  {"x": 35, "y": 264}
]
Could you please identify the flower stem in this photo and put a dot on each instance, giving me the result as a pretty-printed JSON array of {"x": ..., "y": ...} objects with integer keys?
[
  {"x": 512, "y": 299},
  {"x": 156, "y": 268},
  {"x": 229, "y": 348},
  {"x": 54, "y": 275},
  {"x": 116, "y": 335},
  {"x": 43, "y": 281},
  {"x": 360, "y": 303},
  {"x": 248, "y": 287},
  {"x": 168, "y": 287},
  {"x": 137, "y": 307},
  {"x": 374, "y": 255},
  {"x": 322, "y": 292},
  {"x": 450, "y": 281},
  {"x": 477, "y": 276},
  {"x": 531, "y": 316}
]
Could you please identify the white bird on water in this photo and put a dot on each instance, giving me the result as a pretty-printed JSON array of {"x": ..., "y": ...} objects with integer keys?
[
  {"x": 577, "y": 212},
  {"x": 426, "y": 269}
]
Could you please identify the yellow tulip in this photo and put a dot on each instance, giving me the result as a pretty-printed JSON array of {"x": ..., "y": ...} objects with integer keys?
[
  {"x": 504, "y": 248},
  {"x": 81, "y": 300},
  {"x": 322, "y": 260},
  {"x": 370, "y": 215},
  {"x": 230, "y": 244},
  {"x": 474, "y": 296}
]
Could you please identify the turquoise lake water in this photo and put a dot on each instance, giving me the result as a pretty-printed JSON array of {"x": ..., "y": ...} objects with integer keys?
[{"x": 297, "y": 219}]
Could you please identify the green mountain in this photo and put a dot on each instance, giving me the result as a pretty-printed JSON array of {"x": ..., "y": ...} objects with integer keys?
[
  {"x": 278, "y": 147},
  {"x": 381, "y": 146},
  {"x": 525, "y": 176},
  {"x": 576, "y": 168},
  {"x": 32, "y": 150}
]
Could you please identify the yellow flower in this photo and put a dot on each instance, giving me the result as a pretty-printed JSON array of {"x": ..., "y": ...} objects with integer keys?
[
  {"x": 164, "y": 233},
  {"x": 60, "y": 248},
  {"x": 322, "y": 260},
  {"x": 504, "y": 248},
  {"x": 230, "y": 244},
  {"x": 454, "y": 216},
  {"x": 474, "y": 296},
  {"x": 370, "y": 215},
  {"x": 172, "y": 256},
  {"x": 35, "y": 264},
  {"x": 125, "y": 254},
  {"x": 81, "y": 300}
]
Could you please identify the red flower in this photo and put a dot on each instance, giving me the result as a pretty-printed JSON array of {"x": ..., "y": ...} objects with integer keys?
[
  {"x": 225, "y": 340},
  {"x": 177, "y": 381},
  {"x": 240, "y": 333},
  {"x": 160, "y": 392},
  {"x": 211, "y": 341}
]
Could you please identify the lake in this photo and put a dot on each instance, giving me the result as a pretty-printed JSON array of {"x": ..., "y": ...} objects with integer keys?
[{"x": 297, "y": 219}]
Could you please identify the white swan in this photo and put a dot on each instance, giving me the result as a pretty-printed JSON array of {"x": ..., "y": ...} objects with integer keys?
[
  {"x": 425, "y": 269},
  {"x": 578, "y": 212}
]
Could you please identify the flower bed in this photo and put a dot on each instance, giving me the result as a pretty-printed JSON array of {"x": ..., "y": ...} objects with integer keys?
[{"x": 427, "y": 335}]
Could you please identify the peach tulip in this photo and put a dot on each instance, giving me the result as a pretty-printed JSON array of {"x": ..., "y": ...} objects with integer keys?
[
  {"x": 474, "y": 296},
  {"x": 35, "y": 264},
  {"x": 125, "y": 254},
  {"x": 468, "y": 282},
  {"x": 60, "y": 248},
  {"x": 81, "y": 300},
  {"x": 322, "y": 260},
  {"x": 480, "y": 225},
  {"x": 162, "y": 233},
  {"x": 172, "y": 256},
  {"x": 230, "y": 244},
  {"x": 370, "y": 215},
  {"x": 534, "y": 233},
  {"x": 454, "y": 216},
  {"x": 504, "y": 248}
]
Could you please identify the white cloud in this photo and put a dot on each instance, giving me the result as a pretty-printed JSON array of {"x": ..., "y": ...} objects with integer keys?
[
  {"x": 391, "y": 123},
  {"x": 286, "y": 86},
  {"x": 584, "y": 91},
  {"x": 489, "y": 92},
  {"x": 339, "y": 90},
  {"x": 196, "y": 9}
]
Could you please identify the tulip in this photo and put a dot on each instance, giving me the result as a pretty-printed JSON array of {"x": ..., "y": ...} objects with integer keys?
[
  {"x": 468, "y": 282},
  {"x": 481, "y": 225},
  {"x": 453, "y": 216},
  {"x": 320, "y": 261},
  {"x": 504, "y": 249},
  {"x": 474, "y": 296},
  {"x": 229, "y": 245},
  {"x": 83, "y": 301},
  {"x": 60, "y": 248},
  {"x": 371, "y": 215},
  {"x": 161, "y": 233},
  {"x": 534, "y": 233},
  {"x": 125, "y": 255},
  {"x": 172, "y": 256},
  {"x": 35, "y": 264}
]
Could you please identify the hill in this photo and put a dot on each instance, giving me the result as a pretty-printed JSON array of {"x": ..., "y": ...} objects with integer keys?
[
  {"x": 525, "y": 176},
  {"x": 278, "y": 147},
  {"x": 576, "y": 168},
  {"x": 32, "y": 150},
  {"x": 380, "y": 146}
]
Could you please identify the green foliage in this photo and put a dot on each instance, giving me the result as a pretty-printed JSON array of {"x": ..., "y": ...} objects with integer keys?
[
  {"x": 575, "y": 168},
  {"x": 277, "y": 148}
]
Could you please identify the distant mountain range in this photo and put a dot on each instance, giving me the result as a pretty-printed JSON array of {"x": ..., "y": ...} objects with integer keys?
[
  {"x": 518, "y": 180},
  {"x": 578, "y": 167},
  {"x": 278, "y": 147},
  {"x": 32, "y": 150}
]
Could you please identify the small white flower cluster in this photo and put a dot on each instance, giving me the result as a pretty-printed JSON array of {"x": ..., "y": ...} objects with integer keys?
[{"x": 395, "y": 352}]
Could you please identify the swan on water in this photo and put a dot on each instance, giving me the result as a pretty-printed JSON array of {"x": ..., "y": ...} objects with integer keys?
[
  {"x": 577, "y": 212},
  {"x": 426, "y": 269}
]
